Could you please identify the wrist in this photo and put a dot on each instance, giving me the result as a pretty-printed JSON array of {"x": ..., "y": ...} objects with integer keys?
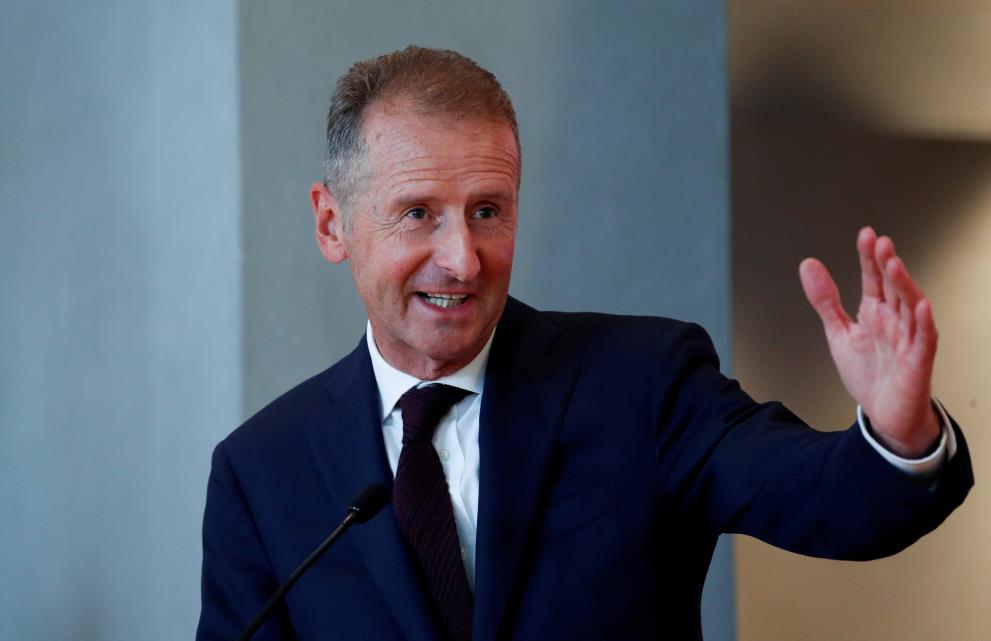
[{"x": 919, "y": 443}]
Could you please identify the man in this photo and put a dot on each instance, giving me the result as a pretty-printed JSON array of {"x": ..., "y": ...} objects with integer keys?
[{"x": 554, "y": 476}]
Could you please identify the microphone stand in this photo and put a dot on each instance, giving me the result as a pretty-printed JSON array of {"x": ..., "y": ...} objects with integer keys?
[{"x": 364, "y": 506}]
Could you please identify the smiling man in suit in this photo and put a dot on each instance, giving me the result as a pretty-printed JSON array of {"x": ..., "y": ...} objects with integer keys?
[{"x": 554, "y": 476}]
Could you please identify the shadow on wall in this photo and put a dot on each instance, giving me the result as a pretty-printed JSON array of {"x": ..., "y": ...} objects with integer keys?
[
  {"x": 809, "y": 167},
  {"x": 844, "y": 115},
  {"x": 801, "y": 192}
]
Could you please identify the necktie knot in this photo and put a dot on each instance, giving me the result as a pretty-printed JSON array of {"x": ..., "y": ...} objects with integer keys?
[{"x": 423, "y": 407}]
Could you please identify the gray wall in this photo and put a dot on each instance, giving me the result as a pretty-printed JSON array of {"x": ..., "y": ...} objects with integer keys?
[
  {"x": 624, "y": 204},
  {"x": 159, "y": 278},
  {"x": 119, "y": 328}
]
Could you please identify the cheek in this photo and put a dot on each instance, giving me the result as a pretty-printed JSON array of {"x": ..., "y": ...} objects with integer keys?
[
  {"x": 377, "y": 265},
  {"x": 499, "y": 257},
  {"x": 396, "y": 271}
]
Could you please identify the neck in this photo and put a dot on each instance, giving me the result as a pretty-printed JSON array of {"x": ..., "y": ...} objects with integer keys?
[
  {"x": 432, "y": 370},
  {"x": 423, "y": 367},
  {"x": 426, "y": 367}
]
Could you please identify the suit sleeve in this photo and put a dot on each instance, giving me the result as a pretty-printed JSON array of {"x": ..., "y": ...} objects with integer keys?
[
  {"x": 757, "y": 469},
  {"x": 237, "y": 578}
]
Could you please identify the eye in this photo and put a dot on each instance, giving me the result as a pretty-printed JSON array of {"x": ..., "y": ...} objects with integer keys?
[
  {"x": 485, "y": 213},
  {"x": 417, "y": 213}
]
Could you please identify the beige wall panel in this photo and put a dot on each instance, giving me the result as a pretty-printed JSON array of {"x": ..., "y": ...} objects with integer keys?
[
  {"x": 799, "y": 192},
  {"x": 917, "y": 67}
]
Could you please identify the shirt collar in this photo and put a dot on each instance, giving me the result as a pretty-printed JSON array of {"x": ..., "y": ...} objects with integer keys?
[{"x": 393, "y": 383}]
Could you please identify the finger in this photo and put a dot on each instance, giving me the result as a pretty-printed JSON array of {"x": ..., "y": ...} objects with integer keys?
[
  {"x": 894, "y": 273},
  {"x": 926, "y": 336},
  {"x": 870, "y": 275},
  {"x": 906, "y": 326},
  {"x": 821, "y": 291},
  {"x": 902, "y": 283},
  {"x": 883, "y": 250}
]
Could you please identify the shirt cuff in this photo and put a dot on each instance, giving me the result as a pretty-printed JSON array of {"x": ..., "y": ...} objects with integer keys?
[{"x": 922, "y": 468}]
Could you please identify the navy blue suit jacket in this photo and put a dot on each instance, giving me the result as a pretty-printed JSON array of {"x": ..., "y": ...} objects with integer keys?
[{"x": 613, "y": 453}]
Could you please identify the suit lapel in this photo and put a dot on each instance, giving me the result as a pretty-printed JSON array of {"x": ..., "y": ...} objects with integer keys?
[
  {"x": 524, "y": 401},
  {"x": 347, "y": 444}
]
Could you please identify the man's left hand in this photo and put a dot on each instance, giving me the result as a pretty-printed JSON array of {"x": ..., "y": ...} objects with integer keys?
[{"x": 885, "y": 357}]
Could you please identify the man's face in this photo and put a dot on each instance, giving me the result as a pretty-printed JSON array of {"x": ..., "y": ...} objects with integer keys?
[{"x": 432, "y": 236}]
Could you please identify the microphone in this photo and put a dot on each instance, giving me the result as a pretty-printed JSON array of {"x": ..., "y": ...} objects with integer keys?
[{"x": 366, "y": 504}]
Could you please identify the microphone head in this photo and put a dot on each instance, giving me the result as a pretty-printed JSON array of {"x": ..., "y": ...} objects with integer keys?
[{"x": 368, "y": 502}]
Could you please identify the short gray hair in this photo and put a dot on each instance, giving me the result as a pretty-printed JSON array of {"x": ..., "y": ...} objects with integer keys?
[{"x": 434, "y": 80}]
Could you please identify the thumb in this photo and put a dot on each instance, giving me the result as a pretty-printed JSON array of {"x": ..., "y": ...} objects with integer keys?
[{"x": 821, "y": 291}]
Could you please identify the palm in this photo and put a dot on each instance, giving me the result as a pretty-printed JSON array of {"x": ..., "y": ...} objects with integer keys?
[{"x": 885, "y": 357}]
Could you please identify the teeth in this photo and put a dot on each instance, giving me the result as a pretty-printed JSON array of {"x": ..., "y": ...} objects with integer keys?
[{"x": 446, "y": 300}]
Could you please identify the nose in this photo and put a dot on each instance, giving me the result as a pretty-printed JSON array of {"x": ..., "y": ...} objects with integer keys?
[{"x": 456, "y": 252}]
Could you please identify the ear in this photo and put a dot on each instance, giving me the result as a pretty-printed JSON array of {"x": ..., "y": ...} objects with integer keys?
[{"x": 329, "y": 223}]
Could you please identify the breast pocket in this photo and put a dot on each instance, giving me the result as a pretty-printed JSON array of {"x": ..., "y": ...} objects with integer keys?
[{"x": 574, "y": 503}]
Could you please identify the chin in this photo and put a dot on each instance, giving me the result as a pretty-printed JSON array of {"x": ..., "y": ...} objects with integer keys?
[
  {"x": 451, "y": 353},
  {"x": 451, "y": 349}
]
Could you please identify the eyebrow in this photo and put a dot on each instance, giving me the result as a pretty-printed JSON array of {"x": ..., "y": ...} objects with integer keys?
[
  {"x": 406, "y": 200},
  {"x": 496, "y": 195}
]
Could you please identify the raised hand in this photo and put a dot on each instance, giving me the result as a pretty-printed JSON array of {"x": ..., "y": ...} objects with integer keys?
[{"x": 885, "y": 358}]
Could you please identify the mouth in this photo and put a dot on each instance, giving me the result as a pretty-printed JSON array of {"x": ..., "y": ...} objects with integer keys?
[{"x": 444, "y": 301}]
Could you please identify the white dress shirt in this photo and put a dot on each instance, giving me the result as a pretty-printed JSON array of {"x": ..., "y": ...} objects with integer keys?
[{"x": 456, "y": 438}]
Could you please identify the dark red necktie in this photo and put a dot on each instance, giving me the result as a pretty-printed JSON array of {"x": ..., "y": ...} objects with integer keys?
[{"x": 423, "y": 507}]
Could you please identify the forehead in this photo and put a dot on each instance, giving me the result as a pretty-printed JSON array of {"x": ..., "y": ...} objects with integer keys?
[{"x": 404, "y": 146}]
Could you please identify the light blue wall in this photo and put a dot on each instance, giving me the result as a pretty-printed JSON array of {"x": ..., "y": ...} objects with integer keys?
[
  {"x": 119, "y": 328},
  {"x": 159, "y": 279},
  {"x": 624, "y": 207}
]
